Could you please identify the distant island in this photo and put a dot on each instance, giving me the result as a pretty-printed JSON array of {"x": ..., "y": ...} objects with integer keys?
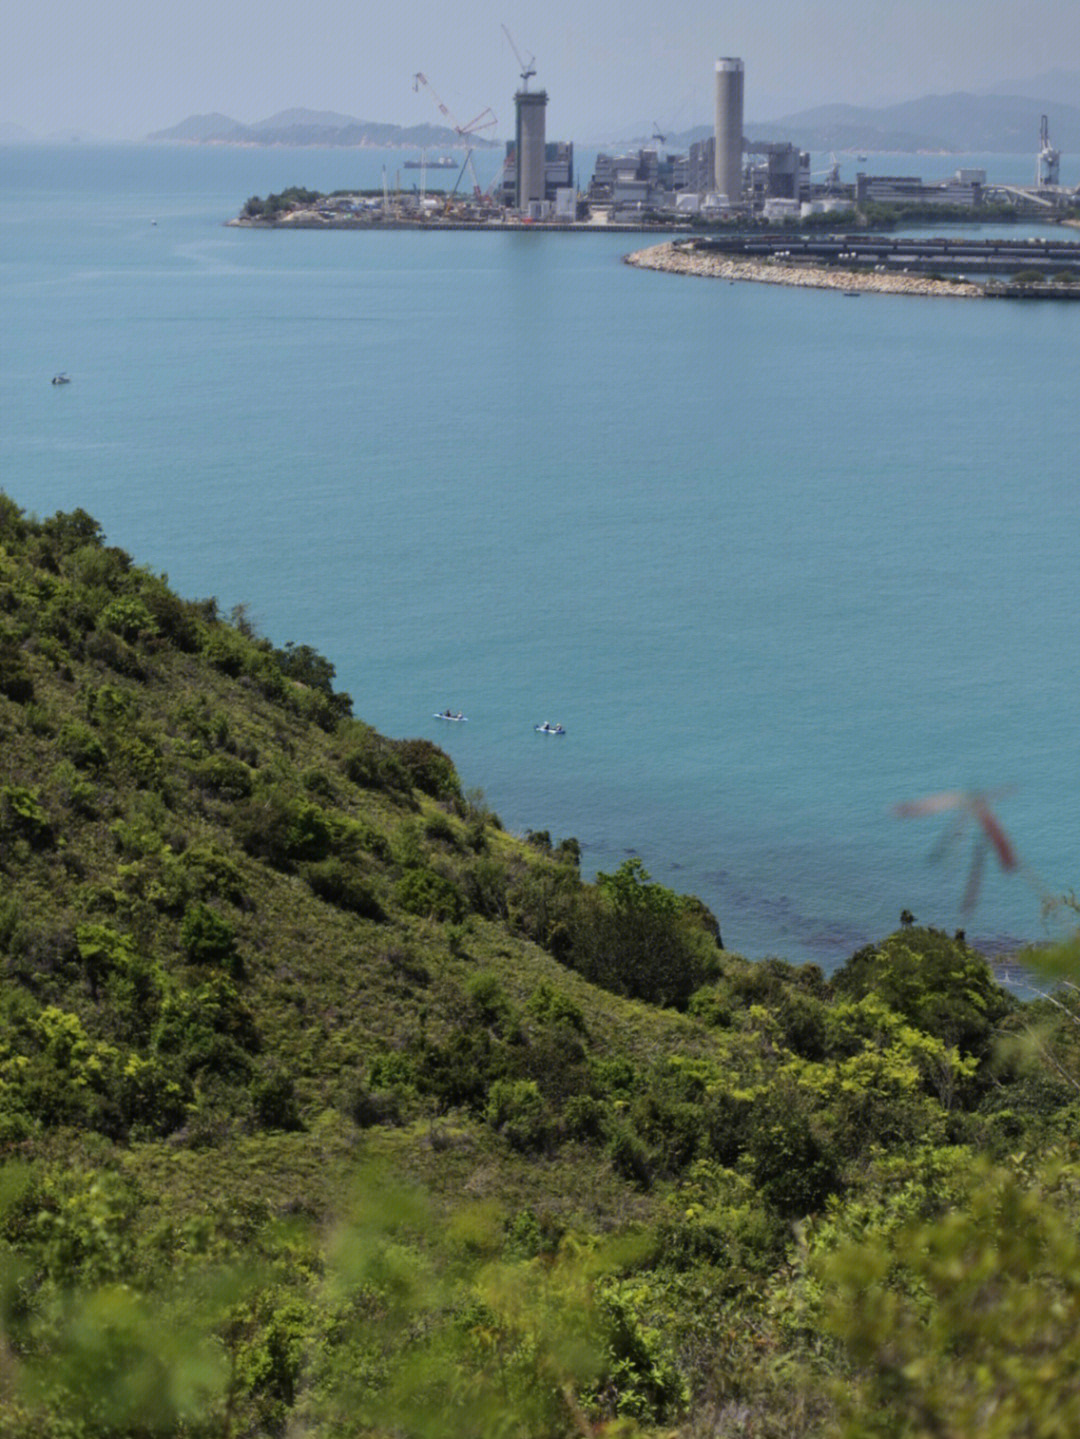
[
  {"x": 1004, "y": 121},
  {"x": 309, "y": 128}
]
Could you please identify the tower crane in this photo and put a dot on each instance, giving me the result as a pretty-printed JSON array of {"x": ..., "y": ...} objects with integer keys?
[
  {"x": 833, "y": 183},
  {"x": 1048, "y": 167},
  {"x": 484, "y": 121},
  {"x": 528, "y": 67}
]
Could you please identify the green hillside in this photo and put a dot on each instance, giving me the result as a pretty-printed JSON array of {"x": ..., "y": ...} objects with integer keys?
[{"x": 327, "y": 1107}]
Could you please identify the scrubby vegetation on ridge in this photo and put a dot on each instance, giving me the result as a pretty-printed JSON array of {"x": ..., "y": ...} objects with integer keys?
[{"x": 327, "y": 1107}]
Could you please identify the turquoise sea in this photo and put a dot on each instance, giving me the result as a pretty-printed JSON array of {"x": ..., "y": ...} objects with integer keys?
[{"x": 775, "y": 559}]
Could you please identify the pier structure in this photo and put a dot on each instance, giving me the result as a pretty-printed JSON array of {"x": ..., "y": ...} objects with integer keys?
[{"x": 952, "y": 254}]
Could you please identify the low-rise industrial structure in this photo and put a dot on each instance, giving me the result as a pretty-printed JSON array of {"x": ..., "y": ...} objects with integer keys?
[{"x": 965, "y": 188}]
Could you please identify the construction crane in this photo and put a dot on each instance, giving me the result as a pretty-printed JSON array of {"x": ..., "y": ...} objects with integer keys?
[
  {"x": 833, "y": 182},
  {"x": 484, "y": 121},
  {"x": 1048, "y": 166},
  {"x": 656, "y": 135},
  {"x": 528, "y": 67}
]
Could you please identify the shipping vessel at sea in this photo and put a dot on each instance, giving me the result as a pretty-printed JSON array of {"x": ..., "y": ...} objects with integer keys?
[{"x": 441, "y": 162}]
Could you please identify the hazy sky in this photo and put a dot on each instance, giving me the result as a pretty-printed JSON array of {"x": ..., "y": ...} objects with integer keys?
[{"x": 121, "y": 68}]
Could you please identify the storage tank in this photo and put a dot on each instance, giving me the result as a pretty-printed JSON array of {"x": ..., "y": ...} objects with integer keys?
[{"x": 729, "y": 128}]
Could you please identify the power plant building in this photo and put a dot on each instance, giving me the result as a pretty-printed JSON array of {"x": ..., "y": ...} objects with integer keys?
[
  {"x": 558, "y": 173},
  {"x": 728, "y": 130}
]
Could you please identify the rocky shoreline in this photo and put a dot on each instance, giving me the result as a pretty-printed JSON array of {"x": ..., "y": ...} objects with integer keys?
[{"x": 678, "y": 258}]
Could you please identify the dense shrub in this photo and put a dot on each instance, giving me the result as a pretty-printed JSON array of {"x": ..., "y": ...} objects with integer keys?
[
  {"x": 273, "y": 1101},
  {"x": 81, "y": 745},
  {"x": 460, "y": 1071},
  {"x": 305, "y": 666},
  {"x": 793, "y": 1167},
  {"x": 16, "y": 681},
  {"x": 282, "y": 831},
  {"x": 22, "y": 816},
  {"x": 208, "y": 938},
  {"x": 516, "y": 1109},
  {"x": 129, "y": 617},
  {"x": 936, "y": 982},
  {"x": 371, "y": 761},
  {"x": 428, "y": 768},
  {"x": 425, "y": 893},
  {"x": 224, "y": 776},
  {"x": 336, "y": 882},
  {"x": 635, "y": 951}
]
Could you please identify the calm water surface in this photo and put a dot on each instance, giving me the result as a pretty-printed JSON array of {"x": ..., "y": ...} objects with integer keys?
[{"x": 776, "y": 561}]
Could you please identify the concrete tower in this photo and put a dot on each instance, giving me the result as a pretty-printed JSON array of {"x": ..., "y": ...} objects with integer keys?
[
  {"x": 531, "y": 106},
  {"x": 729, "y": 128}
]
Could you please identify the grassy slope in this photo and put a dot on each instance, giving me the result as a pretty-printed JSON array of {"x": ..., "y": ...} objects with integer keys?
[
  {"x": 328, "y": 988},
  {"x": 369, "y": 949}
]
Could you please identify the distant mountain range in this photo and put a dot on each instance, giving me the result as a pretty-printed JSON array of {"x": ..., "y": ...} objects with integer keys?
[
  {"x": 996, "y": 124},
  {"x": 310, "y": 127},
  {"x": 1004, "y": 121}
]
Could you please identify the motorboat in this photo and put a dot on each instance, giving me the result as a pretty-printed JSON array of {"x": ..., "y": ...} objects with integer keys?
[
  {"x": 61, "y": 379},
  {"x": 546, "y": 728},
  {"x": 458, "y": 718}
]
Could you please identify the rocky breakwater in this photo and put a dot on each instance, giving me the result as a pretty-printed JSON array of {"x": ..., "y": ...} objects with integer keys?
[{"x": 682, "y": 258}]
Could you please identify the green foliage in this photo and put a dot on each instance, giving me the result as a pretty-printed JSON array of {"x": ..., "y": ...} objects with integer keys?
[
  {"x": 428, "y": 768},
  {"x": 281, "y": 830},
  {"x": 314, "y": 671},
  {"x": 208, "y": 1030},
  {"x": 548, "y": 1005},
  {"x": 641, "y": 1376},
  {"x": 966, "y": 1322},
  {"x": 208, "y": 938},
  {"x": 634, "y": 937},
  {"x": 16, "y": 681},
  {"x": 82, "y": 745},
  {"x": 371, "y": 761},
  {"x": 22, "y": 816},
  {"x": 129, "y": 617},
  {"x": 937, "y": 983},
  {"x": 423, "y": 892},
  {"x": 794, "y": 1169},
  {"x": 273, "y": 1099},
  {"x": 630, "y": 888},
  {"x": 516, "y": 1108},
  {"x": 339, "y": 884},
  {"x": 224, "y": 776}
]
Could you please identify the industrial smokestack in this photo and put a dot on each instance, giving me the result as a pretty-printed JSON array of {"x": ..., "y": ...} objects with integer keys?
[
  {"x": 729, "y": 128},
  {"x": 530, "y": 143}
]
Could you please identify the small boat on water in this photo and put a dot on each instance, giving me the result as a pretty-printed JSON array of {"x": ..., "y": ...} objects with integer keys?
[
  {"x": 458, "y": 718},
  {"x": 546, "y": 728},
  {"x": 61, "y": 379}
]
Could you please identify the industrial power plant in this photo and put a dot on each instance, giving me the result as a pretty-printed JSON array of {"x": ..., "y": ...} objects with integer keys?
[{"x": 723, "y": 176}]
